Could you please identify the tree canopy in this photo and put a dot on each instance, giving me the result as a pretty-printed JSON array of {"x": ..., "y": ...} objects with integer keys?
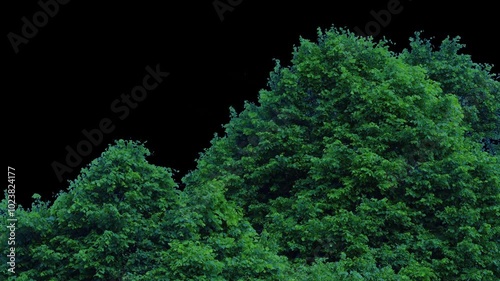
[{"x": 356, "y": 163}]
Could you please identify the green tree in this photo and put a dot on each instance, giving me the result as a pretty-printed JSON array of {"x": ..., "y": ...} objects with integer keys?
[
  {"x": 106, "y": 224},
  {"x": 124, "y": 219},
  {"x": 357, "y": 156}
]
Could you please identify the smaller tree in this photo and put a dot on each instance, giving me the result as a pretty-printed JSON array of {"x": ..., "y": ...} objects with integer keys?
[{"x": 106, "y": 224}]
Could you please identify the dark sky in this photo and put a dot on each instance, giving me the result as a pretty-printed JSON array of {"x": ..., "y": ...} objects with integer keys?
[{"x": 66, "y": 77}]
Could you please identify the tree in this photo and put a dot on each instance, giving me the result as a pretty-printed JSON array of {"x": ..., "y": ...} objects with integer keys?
[
  {"x": 369, "y": 159},
  {"x": 124, "y": 219},
  {"x": 106, "y": 224}
]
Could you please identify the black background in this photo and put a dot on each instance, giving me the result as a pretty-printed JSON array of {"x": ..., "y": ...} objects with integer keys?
[{"x": 66, "y": 77}]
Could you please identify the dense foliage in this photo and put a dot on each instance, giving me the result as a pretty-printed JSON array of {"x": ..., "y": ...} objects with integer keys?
[
  {"x": 124, "y": 219},
  {"x": 357, "y": 163}
]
